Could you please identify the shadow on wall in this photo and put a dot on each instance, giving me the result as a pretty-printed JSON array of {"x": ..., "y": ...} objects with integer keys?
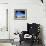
[{"x": 41, "y": 34}]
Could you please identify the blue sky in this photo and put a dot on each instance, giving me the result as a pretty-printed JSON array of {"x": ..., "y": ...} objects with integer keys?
[{"x": 19, "y": 14}]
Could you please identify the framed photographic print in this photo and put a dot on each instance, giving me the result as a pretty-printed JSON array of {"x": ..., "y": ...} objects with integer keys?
[{"x": 20, "y": 14}]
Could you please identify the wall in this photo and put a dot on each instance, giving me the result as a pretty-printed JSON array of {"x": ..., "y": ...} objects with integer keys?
[
  {"x": 45, "y": 22},
  {"x": 3, "y": 1}
]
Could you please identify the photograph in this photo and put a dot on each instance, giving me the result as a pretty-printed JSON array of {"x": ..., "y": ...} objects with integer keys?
[{"x": 20, "y": 14}]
